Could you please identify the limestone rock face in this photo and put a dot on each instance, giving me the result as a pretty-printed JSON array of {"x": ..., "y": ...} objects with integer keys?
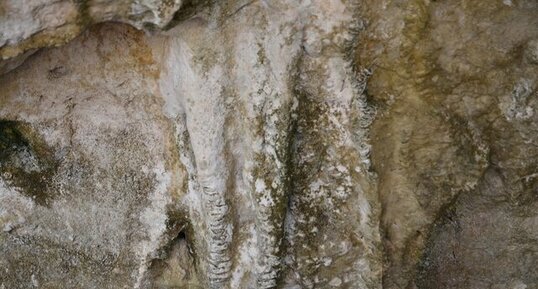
[
  {"x": 31, "y": 24},
  {"x": 269, "y": 144},
  {"x": 453, "y": 144}
]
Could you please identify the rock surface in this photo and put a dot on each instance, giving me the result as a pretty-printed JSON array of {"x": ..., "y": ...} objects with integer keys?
[
  {"x": 269, "y": 144},
  {"x": 28, "y": 25}
]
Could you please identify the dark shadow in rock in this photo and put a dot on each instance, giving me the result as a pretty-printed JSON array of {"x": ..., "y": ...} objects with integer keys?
[
  {"x": 26, "y": 162},
  {"x": 174, "y": 267}
]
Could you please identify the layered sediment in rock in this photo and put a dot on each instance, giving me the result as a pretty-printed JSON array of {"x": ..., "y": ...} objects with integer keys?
[{"x": 268, "y": 144}]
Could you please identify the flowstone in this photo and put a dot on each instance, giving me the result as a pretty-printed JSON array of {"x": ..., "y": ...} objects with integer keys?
[{"x": 268, "y": 144}]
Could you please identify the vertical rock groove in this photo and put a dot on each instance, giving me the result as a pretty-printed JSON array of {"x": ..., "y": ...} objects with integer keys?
[
  {"x": 207, "y": 140},
  {"x": 297, "y": 144}
]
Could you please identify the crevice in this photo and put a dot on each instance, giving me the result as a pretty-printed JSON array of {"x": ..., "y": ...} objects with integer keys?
[
  {"x": 188, "y": 9},
  {"x": 175, "y": 264}
]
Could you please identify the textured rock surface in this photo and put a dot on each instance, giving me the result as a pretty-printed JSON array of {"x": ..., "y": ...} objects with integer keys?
[
  {"x": 453, "y": 145},
  {"x": 31, "y": 24},
  {"x": 269, "y": 144}
]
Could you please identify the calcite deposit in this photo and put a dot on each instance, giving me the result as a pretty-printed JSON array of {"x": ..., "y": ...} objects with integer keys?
[{"x": 369, "y": 144}]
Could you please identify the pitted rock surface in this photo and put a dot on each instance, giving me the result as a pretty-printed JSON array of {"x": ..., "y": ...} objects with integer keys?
[{"x": 269, "y": 144}]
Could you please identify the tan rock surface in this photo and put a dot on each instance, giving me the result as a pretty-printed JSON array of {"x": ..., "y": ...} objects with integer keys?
[{"x": 269, "y": 144}]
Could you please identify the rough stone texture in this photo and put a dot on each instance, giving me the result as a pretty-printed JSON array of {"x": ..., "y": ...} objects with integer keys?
[
  {"x": 453, "y": 145},
  {"x": 31, "y": 24},
  {"x": 269, "y": 144},
  {"x": 89, "y": 167}
]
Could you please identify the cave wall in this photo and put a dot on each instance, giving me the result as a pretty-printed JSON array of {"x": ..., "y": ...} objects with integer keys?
[{"x": 268, "y": 144}]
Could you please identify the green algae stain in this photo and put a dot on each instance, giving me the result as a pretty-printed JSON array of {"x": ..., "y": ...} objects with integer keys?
[
  {"x": 84, "y": 17},
  {"x": 25, "y": 161}
]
